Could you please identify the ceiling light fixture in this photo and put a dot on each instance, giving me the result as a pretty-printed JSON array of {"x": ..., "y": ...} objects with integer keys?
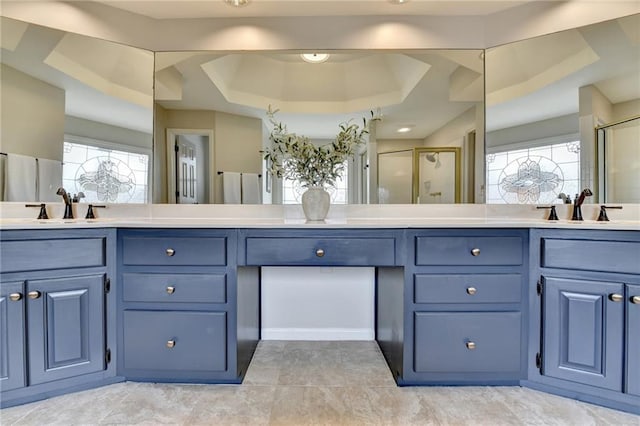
[
  {"x": 237, "y": 3},
  {"x": 314, "y": 58},
  {"x": 404, "y": 129},
  {"x": 398, "y": 1}
]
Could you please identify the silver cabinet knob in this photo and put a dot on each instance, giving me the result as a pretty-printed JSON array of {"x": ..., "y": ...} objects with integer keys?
[
  {"x": 15, "y": 296},
  {"x": 171, "y": 289},
  {"x": 170, "y": 252},
  {"x": 34, "y": 294},
  {"x": 319, "y": 252},
  {"x": 634, "y": 299},
  {"x": 470, "y": 345},
  {"x": 471, "y": 290},
  {"x": 475, "y": 252},
  {"x": 615, "y": 297},
  {"x": 171, "y": 343}
]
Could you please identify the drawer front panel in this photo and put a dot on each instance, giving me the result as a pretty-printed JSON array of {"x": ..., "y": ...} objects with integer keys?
[
  {"x": 192, "y": 288},
  {"x": 174, "y": 340},
  {"x": 469, "y": 288},
  {"x": 585, "y": 255},
  {"x": 177, "y": 251},
  {"x": 434, "y": 251},
  {"x": 447, "y": 342},
  {"x": 33, "y": 255},
  {"x": 321, "y": 251}
]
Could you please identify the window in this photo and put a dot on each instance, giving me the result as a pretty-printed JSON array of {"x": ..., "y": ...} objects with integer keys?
[
  {"x": 103, "y": 173},
  {"x": 292, "y": 190},
  {"x": 534, "y": 175}
]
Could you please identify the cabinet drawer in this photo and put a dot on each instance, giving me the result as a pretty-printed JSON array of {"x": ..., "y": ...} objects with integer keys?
[
  {"x": 192, "y": 251},
  {"x": 192, "y": 288},
  {"x": 32, "y": 255},
  {"x": 589, "y": 255},
  {"x": 321, "y": 251},
  {"x": 470, "y": 288},
  {"x": 442, "y": 340},
  {"x": 460, "y": 251},
  {"x": 175, "y": 340}
]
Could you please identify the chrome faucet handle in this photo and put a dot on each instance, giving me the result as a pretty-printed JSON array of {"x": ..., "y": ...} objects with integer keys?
[
  {"x": 602, "y": 217},
  {"x": 90, "y": 213},
  {"x": 553, "y": 215},
  {"x": 43, "y": 210}
]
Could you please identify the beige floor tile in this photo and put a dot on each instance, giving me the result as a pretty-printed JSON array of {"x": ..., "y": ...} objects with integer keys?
[{"x": 313, "y": 383}]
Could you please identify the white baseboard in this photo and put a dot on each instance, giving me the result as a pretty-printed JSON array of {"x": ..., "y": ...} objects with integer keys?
[{"x": 317, "y": 334}]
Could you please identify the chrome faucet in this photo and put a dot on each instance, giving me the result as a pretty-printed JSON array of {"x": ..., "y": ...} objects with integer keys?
[
  {"x": 577, "y": 211},
  {"x": 68, "y": 210}
]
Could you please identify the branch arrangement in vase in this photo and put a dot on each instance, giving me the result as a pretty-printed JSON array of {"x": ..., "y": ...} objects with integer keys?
[{"x": 294, "y": 157}]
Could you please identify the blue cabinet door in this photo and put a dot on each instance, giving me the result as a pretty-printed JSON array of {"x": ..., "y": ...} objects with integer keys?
[
  {"x": 633, "y": 340},
  {"x": 583, "y": 325},
  {"x": 66, "y": 327},
  {"x": 12, "y": 356}
]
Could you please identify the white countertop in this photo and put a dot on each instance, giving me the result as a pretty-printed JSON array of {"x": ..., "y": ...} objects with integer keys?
[{"x": 16, "y": 216}]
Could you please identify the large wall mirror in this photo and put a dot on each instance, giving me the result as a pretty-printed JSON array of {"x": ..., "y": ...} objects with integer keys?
[
  {"x": 90, "y": 104},
  {"x": 77, "y": 112},
  {"x": 545, "y": 98},
  {"x": 211, "y": 122}
]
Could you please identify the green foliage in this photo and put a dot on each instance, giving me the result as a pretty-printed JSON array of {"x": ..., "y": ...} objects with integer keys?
[{"x": 294, "y": 157}]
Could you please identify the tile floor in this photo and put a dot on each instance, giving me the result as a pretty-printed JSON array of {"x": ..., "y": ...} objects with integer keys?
[{"x": 312, "y": 383}]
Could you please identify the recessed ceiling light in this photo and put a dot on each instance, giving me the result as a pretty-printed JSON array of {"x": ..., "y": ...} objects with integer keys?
[
  {"x": 315, "y": 58},
  {"x": 398, "y": 1},
  {"x": 404, "y": 129},
  {"x": 237, "y": 3}
]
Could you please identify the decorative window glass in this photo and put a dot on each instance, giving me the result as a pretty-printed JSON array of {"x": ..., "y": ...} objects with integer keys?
[
  {"x": 105, "y": 175},
  {"x": 292, "y": 190},
  {"x": 533, "y": 175}
]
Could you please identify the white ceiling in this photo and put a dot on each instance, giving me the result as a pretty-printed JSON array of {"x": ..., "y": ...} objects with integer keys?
[{"x": 176, "y": 9}]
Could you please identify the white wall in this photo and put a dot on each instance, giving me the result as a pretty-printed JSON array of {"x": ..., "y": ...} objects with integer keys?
[
  {"x": 550, "y": 128},
  {"x": 106, "y": 132},
  {"x": 32, "y": 116},
  {"x": 317, "y": 303}
]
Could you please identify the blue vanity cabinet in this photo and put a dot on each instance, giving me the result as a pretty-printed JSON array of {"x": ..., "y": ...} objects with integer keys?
[
  {"x": 57, "y": 312},
  {"x": 463, "y": 306},
  {"x": 12, "y": 335},
  {"x": 633, "y": 340},
  {"x": 180, "y": 299},
  {"x": 583, "y": 326}
]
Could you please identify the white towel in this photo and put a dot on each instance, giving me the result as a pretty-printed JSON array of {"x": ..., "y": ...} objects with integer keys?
[
  {"x": 251, "y": 193},
  {"x": 20, "y": 179},
  {"x": 49, "y": 179},
  {"x": 231, "y": 187}
]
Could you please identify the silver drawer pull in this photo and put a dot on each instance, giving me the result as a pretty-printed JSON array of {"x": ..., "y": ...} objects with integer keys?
[
  {"x": 171, "y": 343},
  {"x": 470, "y": 345},
  {"x": 171, "y": 290},
  {"x": 34, "y": 294},
  {"x": 319, "y": 252},
  {"x": 15, "y": 296},
  {"x": 170, "y": 252},
  {"x": 634, "y": 299},
  {"x": 471, "y": 290},
  {"x": 615, "y": 297},
  {"x": 475, "y": 252}
]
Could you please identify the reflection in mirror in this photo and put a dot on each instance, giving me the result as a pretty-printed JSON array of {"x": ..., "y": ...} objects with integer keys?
[
  {"x": 437, "y": 176},
  {"x": 76, "y": 112},
  {"x": 545, "y": 98},
  {"x": 427, "y": 98}
]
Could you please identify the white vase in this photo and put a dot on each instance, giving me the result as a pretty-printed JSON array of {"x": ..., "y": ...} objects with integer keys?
[{"x": 315, "y": 203}]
